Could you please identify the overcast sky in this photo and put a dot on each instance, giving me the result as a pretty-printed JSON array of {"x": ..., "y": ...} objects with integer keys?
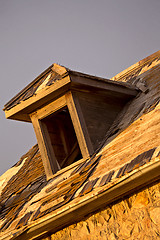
[{"x": 99, "y": 37}]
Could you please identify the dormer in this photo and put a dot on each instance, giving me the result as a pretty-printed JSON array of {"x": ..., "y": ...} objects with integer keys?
[{"x": 71, "y": 113}]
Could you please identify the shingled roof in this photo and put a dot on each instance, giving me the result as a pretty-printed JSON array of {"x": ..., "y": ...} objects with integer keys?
[{"x": 127, "y": 159}]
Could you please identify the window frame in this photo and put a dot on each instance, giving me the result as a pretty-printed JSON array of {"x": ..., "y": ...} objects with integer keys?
[{"x": 70, "y": 101}]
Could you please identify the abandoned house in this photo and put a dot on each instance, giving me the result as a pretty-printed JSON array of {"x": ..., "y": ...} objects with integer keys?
[{"x": 95, "y": 172}]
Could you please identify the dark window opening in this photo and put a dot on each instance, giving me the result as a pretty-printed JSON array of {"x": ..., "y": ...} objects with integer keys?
[{"x": 63, "y": 138}]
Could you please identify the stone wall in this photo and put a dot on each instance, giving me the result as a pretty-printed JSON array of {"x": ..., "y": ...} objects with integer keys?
[{"x": 135, "y": 217}]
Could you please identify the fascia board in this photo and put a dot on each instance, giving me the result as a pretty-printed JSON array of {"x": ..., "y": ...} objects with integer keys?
[{"x": 102, "y": 84}]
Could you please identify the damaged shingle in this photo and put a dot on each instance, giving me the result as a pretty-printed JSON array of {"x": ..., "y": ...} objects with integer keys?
[
  {"x": 106, "y": 178},
  {"x": 23, "y": 221},
  {"x": 88, "y": 187},
  {"x": 139, "y": 161}
]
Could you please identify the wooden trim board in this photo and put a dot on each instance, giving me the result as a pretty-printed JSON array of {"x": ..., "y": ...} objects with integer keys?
[
  {"x": 48, "y": 157},
  {"x": 79, "y": 125},
  {"x": 70, "y": 100}
]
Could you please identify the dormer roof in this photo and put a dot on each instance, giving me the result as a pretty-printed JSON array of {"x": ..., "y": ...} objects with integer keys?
[{"x": 55, "y": 81}]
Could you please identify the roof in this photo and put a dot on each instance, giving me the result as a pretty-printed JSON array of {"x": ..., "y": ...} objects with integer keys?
[{"x": 128, "y": 159}]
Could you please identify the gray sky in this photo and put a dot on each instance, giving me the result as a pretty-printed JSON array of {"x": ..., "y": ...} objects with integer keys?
[{"x": 99, "y": 37}]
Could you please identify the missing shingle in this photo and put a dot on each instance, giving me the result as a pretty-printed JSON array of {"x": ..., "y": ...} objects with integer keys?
[
  {"x": 88, "y": 187},
  {"x": 106, "y": 178}
]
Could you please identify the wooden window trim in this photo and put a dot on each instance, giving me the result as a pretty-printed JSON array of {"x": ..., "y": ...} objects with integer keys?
[
  {"x": 51, "y": 108},
  {"x": 45, "y": 147},
  {"x": 79, "y": 124},
  {"x": 69, "y": 100}
]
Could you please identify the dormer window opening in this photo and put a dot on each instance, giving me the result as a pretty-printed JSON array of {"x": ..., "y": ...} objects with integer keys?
[{"x": 63, "y": 138}]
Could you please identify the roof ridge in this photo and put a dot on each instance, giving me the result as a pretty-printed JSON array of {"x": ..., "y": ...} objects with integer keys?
[{"x": 136, "y": 66}]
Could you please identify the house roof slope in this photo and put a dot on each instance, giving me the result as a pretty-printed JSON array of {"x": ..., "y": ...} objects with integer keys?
[{"x": 127, "y": 159}]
